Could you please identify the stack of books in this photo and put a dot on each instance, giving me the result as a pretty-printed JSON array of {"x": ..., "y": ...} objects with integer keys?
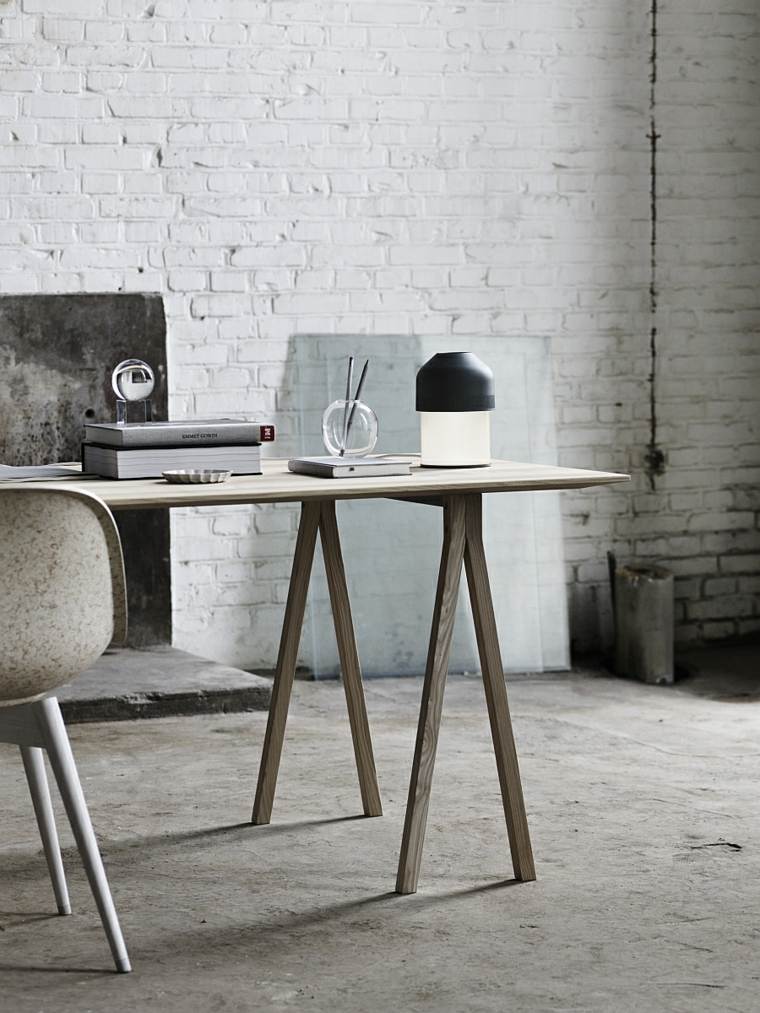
[{"x": 147, "y": 449}]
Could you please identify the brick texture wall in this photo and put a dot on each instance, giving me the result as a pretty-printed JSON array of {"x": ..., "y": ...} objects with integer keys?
[
  {"x": 417, "y": 168},
  {"x": 705, "y": 517}
]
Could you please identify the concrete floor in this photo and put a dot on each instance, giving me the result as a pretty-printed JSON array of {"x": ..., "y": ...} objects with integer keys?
[{"x": 639, "y": 800}]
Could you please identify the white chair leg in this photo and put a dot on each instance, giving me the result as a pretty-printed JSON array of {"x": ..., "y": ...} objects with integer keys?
[
  {"x": 34, "y": 765},
  {"x": 62, "y": 762}
]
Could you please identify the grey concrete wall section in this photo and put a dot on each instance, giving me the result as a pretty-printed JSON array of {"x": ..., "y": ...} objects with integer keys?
[{"x": 56, "y": 357}]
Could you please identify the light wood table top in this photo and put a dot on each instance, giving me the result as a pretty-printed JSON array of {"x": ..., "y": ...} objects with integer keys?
[{"x": 278, "y": 485}]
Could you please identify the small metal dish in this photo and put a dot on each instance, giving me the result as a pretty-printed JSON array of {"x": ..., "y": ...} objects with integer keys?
[{"x": 196, "y": 476}]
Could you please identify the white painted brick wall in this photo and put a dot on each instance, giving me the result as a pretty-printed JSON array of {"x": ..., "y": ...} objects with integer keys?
[
  {"x": 709, "y": 315},
  {"x": 418, "y": 168}
]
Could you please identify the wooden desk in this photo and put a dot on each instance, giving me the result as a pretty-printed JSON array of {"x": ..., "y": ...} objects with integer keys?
[{"x": 458, "y": 492}]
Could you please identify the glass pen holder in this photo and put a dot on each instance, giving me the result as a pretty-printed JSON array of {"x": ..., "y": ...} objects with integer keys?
[{"x": 349, "y": 429}]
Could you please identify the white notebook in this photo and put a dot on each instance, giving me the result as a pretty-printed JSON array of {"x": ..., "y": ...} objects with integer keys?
[{"x": 350, "y": 467}]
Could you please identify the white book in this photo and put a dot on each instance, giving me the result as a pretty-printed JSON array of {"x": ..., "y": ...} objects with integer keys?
[
  {"x": 110, "y": 462},
  {"x": 350, "y": 467}
]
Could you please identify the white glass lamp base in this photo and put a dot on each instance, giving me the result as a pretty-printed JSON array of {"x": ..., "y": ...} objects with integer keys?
[{"x": 455, "y": 439}]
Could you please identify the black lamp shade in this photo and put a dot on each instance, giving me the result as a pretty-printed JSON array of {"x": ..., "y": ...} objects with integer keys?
[{"x": 455, "y": 382}]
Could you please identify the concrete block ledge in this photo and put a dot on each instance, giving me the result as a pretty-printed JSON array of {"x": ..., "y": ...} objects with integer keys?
[{"x": 160, "y": 682}]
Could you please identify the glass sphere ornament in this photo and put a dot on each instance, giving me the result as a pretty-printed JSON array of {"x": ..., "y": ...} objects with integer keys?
[
  {"x": 133, "y": 381},
  {"x": 349, "y": 429}
]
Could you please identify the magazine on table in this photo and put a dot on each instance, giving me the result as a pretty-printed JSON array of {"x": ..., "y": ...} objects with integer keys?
[{"x": 38, "y": 473}]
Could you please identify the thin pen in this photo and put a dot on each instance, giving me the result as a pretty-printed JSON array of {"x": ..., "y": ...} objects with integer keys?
[
  {"x": 349, "y": 381},
  {"x": 356, "y": 397}
]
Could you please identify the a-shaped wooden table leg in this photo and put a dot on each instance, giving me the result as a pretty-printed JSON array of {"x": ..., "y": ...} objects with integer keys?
[
  {"x": 286, "y": 662},
  {"x": 432, "y": 693},
  {"x": 496, "y": 693},
  {"x": 349, "y": 660}
]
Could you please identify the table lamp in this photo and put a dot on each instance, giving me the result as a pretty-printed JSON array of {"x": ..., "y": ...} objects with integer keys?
[{"x": 455, "y": 398}]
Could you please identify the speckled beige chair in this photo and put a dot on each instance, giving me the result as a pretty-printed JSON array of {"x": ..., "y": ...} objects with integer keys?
[{"x": 62, "y": 601}]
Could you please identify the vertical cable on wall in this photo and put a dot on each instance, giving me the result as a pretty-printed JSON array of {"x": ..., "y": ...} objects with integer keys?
[{"x": 654, "y": 458}]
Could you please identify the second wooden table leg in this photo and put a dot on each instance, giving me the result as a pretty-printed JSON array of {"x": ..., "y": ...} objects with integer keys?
[
  {"x": 496, "y": 694},
  {"x": 432, "y": 694},
  {"x": 286, "y": 662},
  {"x": 349, "y": 660}
]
